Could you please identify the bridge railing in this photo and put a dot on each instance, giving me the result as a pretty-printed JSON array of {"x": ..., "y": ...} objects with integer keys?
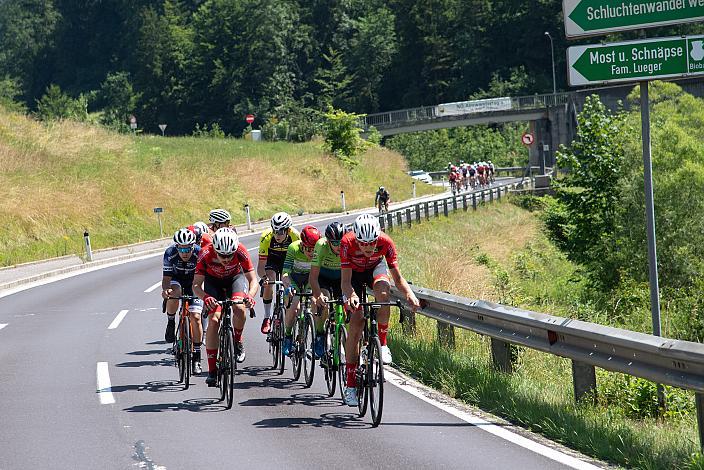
[{"x": 424, "y": 113}]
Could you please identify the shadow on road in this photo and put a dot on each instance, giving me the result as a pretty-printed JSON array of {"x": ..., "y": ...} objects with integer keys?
[
  {"x": 336, "y": 420},
  {"x": 155, "y": 386},
  {"x": 193, "y": 405},
  {"x": 167, "y": 361},
  {"x": 306, "y": 399}
]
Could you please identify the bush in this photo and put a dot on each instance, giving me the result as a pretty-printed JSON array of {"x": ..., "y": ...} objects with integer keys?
[
  {"x": 293, "y": 124},
  {"x": 342, "y": 137},
  {"x": 55, "y": 105},
  {"x": 118, "y": 100},
  {"x": 215, "y": 131},
  {"x": 10, "y": 91}
]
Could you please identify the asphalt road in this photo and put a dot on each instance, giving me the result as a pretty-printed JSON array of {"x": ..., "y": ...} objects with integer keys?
[{"x": 53, "y": 338}]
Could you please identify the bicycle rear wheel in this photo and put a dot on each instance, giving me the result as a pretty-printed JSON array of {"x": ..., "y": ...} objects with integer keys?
[
  {"x": 308, "y": 357},
  {"x": 297, "y": 348},
  {"x": 362, "y": 376},
  {"x": 375, "y": 383},
  {"x": 342, "y": 363},
  {"x": 187, "y": 353},
  {"x": 328, "y": 359}
]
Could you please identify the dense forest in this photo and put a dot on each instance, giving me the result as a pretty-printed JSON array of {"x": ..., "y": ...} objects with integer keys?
[{"x": 209, "y": 62}]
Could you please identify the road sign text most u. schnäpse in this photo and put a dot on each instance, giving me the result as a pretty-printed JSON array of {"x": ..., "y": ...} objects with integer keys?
[{"x": 590, "y": 17}]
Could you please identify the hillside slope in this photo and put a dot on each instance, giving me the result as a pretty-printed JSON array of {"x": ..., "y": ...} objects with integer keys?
[{"x": 58, "y": 179}]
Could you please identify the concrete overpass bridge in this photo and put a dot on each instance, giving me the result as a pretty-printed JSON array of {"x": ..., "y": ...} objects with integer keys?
[{"x": 552, "y": 117}]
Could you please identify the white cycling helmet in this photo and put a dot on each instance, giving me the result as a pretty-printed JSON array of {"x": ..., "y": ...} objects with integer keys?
[
  {"x": 280, "y": 221},
  {"x": 366, "y": 228},
  {"x": 202, "y": 226},
  {"x": 225, "y": 241},
  {"x": 219, "y": 216},
  {"x": 184, "y": 237}
]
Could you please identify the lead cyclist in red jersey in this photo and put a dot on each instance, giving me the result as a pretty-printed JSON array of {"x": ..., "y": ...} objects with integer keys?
[
  {"x": 365, "y": 254},
  {"x": 224, "y": 270}
]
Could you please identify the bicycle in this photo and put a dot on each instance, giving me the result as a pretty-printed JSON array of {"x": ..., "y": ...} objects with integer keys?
[
  {"x": 302, "y": 355},
  {"x": 334, "y": 359},
  {"x": 370, "y": 370},
  {"x": 383, "y": 206},
  {"x": 275, "y": 337},
  {"x": 226, "y": 359},
  {"x": 183, "y": 343}
]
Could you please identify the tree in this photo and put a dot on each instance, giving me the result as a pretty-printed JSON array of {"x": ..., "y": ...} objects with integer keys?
[
  {"x": 118, "y": 100},
  {"x": 56, "y": 105}
]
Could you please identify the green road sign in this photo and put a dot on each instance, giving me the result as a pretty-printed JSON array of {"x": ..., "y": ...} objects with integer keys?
[
  {"x": 590, "y": 17},
  {"x": 630, "y": 61}
]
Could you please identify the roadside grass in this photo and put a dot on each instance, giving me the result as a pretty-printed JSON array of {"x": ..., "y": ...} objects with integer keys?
[
  {"x": 498, "y": 253},
  {"x": 58, "y": 179}
]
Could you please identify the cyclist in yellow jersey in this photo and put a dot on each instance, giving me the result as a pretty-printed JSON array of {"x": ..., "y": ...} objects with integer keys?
[{"x": 272, "y": 252}]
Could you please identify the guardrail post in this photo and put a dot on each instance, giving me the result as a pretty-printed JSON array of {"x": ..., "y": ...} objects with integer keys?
[
  {"x": 498, "y": 194},
  {"x": 89, "y": 251},
  {"x": 399, "y": 222},
  {"x": 491, "y": 195},
  {"x": 408, "y": 322},
  {"x": 474, "y": 201},
  {"x": 503, "y": 354},
  {"x": 446, "y": 335},
  {"x": 418, "y": 213},
  {"x": 454, "y": 203},
  {"x": 435, "y": 208},
  {"x": 390, "y": 221},
  {"x": 427, "y": 210},
  {"x": 464, "y": 202},
  {"x": 584, "y": 380},
  {"x": 382, "y": 223},
  {"x": 444, "y": 206},
  {"x": 408, "y": 216},
  {"x": 699, "y": 400}
]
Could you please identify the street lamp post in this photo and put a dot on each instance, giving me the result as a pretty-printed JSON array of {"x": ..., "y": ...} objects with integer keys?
[{"x": 552, "y": 55}]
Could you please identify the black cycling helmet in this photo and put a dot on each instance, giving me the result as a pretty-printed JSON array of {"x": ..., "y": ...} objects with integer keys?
[{"x": 334, "y": 231}]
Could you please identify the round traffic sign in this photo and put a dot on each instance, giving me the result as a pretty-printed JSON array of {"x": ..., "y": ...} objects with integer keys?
[
  {"x": 527, "y": 138},
  {"x": 249, "y": 118}
]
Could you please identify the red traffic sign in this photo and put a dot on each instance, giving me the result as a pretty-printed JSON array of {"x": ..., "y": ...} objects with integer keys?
[
  {"x": 527, "y": 138},
  {"x": 249, "y": 118}
]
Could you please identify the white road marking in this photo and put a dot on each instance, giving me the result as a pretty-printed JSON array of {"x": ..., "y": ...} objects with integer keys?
[
  {"x": 104, "y": 387},
  {"x": 152, "y": 288},
  {"x": 497, "y": 431},
  {"x": 3, "y": 325},
  {"x": 116, "y": 322}
]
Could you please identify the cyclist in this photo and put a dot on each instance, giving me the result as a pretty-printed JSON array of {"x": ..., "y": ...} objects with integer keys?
[
  {"x": 224, "y": 270},
  {"x": 218, "y": 219},
  {"x": 295, "y": 277},
  {"x": 382, "y": 199},
  {"x": 325, "y": 275},
  {"x": 472, "y": 170},
  {"x": 206, "y": 237},
  {"x": 272, "y": 252},
  {"x": 180, "y": 261},
  {"x": 368, "y": 256},
  {"x": 454, "y": 179}
]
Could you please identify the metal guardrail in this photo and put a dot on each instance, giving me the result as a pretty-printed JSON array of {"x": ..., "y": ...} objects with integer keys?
[
  {"x": 415, "y": 213},
  {"x": 662, "y": 360},
  {"x": 425, "y": 113}
]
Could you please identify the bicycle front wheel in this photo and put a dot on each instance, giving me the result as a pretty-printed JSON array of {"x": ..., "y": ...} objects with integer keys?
[
  {"x": 275, "y": 338},
  {"x": 341, "y": 361},
  {"x": 309, "y": 350},
  {"x": 362, "y": 376},
  {"x": 375, "y": 381},
  {"x": 187, "y": 353},
  {"x": 227, "y": 383},
  {"x": 178, "y": 355},
  {"x": 328, "y": 359},
  {"x": 297, "y": 348}
]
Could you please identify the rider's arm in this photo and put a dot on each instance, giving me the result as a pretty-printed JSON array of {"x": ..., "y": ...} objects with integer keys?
[
  {"x": 313, "y": 281},
  {"x": 288, "y": 266},
  {"x": 346, "y": 282},
  {"x": 263, "y": 254},
  {"x": 198, "y": 286},
  {"x": 403, "y": 286},
  {"x": 165, "y": 285},
  {"x": 253, "y": 284}
]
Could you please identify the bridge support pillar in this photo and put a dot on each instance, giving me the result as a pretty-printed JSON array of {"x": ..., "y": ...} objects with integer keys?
[{"x": 584, "y": 380}]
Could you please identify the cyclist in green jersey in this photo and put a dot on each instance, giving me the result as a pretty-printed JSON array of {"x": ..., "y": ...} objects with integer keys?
[
  {"x": 325, "y": 277},
  {"x": 295, "y": 276}
]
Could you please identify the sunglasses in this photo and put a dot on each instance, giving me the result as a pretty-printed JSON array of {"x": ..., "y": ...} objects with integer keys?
[
  {"x": 335, "y": 243},
  {"x": 307, "y": 249},
  {"x": 283, "y": 231},
  {"x": 186, "y": 249},
  {"x": 366, "y": 243},
  {"x": 226, "y": 256}
]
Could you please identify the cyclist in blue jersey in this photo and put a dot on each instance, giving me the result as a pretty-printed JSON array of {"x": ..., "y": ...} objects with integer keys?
[{"x": 180, "y": 261}]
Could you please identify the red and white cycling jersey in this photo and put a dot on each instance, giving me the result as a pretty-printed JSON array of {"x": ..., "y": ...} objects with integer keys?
[
  {"x": 209, "y": 265},
  {"x": 351, "y": 256},
  {"x": 206, "y": 240}
]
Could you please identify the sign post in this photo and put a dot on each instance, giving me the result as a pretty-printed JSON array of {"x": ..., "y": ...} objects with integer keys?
[
  {"x": 158, "y": 211},
  {"x": 591, "y": 17},
  {"x": 163, "y": 128},
  {"x": 342, "y": 197},
  {"x": 133, "y": 124}
]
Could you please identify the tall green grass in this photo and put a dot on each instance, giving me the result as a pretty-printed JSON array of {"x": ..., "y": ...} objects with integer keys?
[{"x": 499, "y": 253}]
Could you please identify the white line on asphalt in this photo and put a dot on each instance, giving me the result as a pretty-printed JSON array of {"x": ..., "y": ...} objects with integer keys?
[
  {"x": 3, "y": 325},
  {"x": 104, "y": 387},
  {"x": 116, "y": 322},
  {"x": 497, "y": 431},
  {"x": 151, "y": 289}
]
